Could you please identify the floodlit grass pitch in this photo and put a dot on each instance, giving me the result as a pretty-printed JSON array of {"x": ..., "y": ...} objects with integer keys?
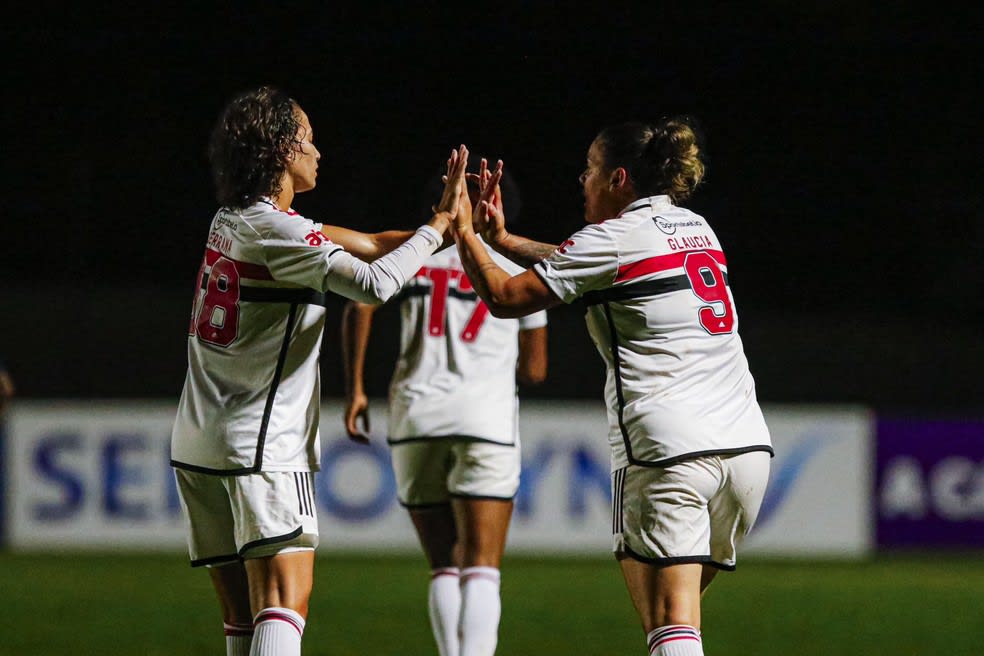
[{"x": 149, "y": 605}]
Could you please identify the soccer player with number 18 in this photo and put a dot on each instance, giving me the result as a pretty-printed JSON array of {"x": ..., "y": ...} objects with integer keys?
[{"x": 245, "y": 442}]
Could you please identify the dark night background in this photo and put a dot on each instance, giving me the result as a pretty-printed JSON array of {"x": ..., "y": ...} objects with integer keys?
[{"x": 843, "y": 150}]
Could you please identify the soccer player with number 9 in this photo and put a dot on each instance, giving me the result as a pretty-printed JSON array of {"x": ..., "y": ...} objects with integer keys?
[{"x": 690, "y": 448}]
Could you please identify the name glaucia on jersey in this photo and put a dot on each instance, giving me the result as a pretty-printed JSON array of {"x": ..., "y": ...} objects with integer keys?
[{"x": 682, "y": 243}]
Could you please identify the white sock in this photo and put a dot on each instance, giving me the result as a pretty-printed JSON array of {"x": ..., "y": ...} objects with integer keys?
[
  {"x": 277, "y": 632},
  {"x": 478, "y": 626},
  {"x": 238, "y": 638},
  {"x": 675, "y": 640},
  {"x": 444, "y": 604}
]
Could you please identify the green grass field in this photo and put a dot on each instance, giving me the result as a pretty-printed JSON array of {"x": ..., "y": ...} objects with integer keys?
[{"x": 148, "y": 605}]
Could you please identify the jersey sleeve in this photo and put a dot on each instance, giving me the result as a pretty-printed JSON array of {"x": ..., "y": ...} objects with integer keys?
[
  {"x": 585, "y": 262},
  {"x": 381, "y": 279},
  {"x": 297, "y": 251},
  {"x": 535, "y": 320}
]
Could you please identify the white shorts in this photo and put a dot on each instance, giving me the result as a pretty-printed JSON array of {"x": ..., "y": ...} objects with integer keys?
[
  {"x": 431, "y": 471},
  {"x": 693, "y": 511},
  {"x": 235, "y": 517}
]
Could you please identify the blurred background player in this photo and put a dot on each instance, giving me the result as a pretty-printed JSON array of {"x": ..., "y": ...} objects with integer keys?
[
  {"x": 7, "y": 389},
  {"x": 453, "y": 431},
  {"x": 690, "y": 448},
  {"x": 245, "y": 441}
]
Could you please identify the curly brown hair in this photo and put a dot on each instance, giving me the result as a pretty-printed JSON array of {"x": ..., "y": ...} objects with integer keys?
[
  {"x": 251, "y": 146},
  {"x": 662, "y": 158}
]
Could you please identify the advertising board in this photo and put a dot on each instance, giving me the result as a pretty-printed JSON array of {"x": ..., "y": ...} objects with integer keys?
[{"x": 96, "y": 475}]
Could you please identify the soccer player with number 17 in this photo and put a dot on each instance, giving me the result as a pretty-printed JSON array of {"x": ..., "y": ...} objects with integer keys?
[{"x": 453, "y": 434}]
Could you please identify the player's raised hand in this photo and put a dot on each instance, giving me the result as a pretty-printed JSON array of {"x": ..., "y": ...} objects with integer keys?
[
  {"x": 454, "y": 180},
  {"x": 465, "y": 209},
  {"x": 356, "y": 408},
  {"x": 489, "y": 219}
]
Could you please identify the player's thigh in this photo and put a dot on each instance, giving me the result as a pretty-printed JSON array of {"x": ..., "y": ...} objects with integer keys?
[
  {"x": 735, "y": 507},
  {"x": 210, "y": 516},
  {"x": 274, "y": 513},
  {"x": 660, "y": 514},
  {"x": 421, "y": 470}
]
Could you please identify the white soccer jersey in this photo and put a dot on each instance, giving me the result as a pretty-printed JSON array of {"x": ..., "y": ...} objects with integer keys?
[
  {"x": 662, "y": 316},
  {"x": 251, "y": 398},
  {"x": 456, "y": 374}
]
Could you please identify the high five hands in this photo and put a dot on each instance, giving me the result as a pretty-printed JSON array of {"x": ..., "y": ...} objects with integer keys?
[
  {"x": 450, "y": 207},
  {"x": 489, "y": 219}
]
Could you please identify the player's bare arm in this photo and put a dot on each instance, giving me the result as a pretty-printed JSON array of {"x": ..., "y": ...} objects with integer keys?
[
  {"x": 366, "y": 246},
  {"x": 531, "y": 366},
  {"x": 7, "y": 389},
  {"x": 356, "y": 326}
]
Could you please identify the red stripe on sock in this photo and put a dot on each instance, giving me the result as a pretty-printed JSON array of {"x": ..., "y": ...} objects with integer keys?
[
  {"x": 237, "y": 629},
  {"x": 274, "y": 616},
  {"x": 444, "y": 572}
]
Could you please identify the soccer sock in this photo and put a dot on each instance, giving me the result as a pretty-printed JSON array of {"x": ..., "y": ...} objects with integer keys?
[
  {"x": 478, "y": 626},
  {"x": 444, "y": 603},
  {"x": 238, "y": 638},
  {"x": 277, "y": 632},
  {"x": 675, "y": 640}
]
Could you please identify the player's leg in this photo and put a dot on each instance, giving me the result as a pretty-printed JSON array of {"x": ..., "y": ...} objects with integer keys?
[
  {"x": 232, "y": 588},
  {"x": 438, "y": 537},
  {"x": 483, "y": 483},
  {"x": 280, "y": 589},
  {"x": 421, "y": 477},
  {"x": 662, "y": 540},
  {"x": 667, "y": 599},
  {"x": 212, "y": 544},
  {"x": 277, "y": 532}
]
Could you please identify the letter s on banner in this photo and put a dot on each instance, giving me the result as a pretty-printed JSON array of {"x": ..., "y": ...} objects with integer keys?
[{"x": 46, "y": 463}]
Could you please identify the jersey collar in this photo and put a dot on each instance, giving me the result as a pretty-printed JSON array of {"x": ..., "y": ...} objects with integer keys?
[
  {"x": 653, "y": 202},
  {"x": 266, "y": 201}
]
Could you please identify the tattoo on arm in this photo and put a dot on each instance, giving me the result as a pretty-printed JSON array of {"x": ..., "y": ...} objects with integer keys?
[
  {"x": 532, "y": 252},
  {"x": 526, "y": 252}
]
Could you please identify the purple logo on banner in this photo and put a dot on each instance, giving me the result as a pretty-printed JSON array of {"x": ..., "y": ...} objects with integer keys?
[{"x": 930, "y": 483}]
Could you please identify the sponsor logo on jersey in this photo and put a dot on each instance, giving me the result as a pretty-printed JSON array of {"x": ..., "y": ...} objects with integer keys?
[
  {"x": 222, "y": 222},
  {"x": 670, "y": 227}
]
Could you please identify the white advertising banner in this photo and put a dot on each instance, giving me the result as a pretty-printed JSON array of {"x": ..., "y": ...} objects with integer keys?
[{"x": 96, "y": 475}]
